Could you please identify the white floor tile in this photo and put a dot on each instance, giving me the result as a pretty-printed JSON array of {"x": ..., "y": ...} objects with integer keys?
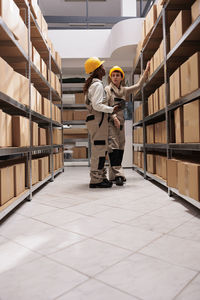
[
  {"x": 131, "y": 238},
  {"x": 88, "y": 209},
  {"x": 192, "y": 291},
  {"x": 147, "y": 278},
  {"x": 68, "y": 230},
  {"x": 156, "y": 223},
  {"x": 189, "y": 230},
  {"x": 58, "y": 217},
  {"x": 31, "y": 209},
  {"x": 95, "y": 290},
  {"x": 118, "y": 215},
  {"x": 13, "y": 255},
  {"x": 90, "y": 256},
  {"x": 50, "y": 241},
  {"x": 175, "y": 250},
  {"x": 89, "y": 226},
  {"x": 42, "y": 279},
  {"x": 22, "y": 228}
]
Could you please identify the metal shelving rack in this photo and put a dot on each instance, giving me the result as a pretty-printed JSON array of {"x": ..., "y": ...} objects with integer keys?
[
  {"x": 21, "y": 63},
  {"x": 172, "y": 60},
  {"x": 74, "y": 122}
]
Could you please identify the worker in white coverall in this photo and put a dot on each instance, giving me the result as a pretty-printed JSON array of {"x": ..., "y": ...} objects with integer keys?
[
  {"x": 117, "y": 93},
  {"x": 97, "y": 121}
]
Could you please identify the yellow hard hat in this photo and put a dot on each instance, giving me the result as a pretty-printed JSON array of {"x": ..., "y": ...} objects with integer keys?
[
  {"x": 116, "y": 68},
  {"x": 92, "y": 64}
]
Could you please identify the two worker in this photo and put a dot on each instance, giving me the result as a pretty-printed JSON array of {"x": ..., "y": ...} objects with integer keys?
[{"x": 105, "y": 121}]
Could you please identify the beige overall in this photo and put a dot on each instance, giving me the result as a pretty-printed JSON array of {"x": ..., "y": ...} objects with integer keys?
[
  {"x": 116, "y": 136},
  {"x": 97, "y": 125}
]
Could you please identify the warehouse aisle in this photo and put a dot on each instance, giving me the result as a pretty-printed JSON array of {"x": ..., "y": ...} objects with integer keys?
[{"x": 72, "y": 243}]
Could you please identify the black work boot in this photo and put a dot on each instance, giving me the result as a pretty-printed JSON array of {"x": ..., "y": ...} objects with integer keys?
[
  {"x": 108, "y": 181},
  {"x": 102, "y": 184},
  {"x": 119, "y": 180}
]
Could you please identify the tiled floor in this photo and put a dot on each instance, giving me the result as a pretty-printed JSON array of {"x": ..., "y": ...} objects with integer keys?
[{"x": 72, "y": 243}]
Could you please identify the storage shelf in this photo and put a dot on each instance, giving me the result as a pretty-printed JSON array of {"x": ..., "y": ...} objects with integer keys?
[
  {"x": 157, "y": 178},
  {"x": 137, "y": 123},
  {"x": 155, "y": 117},
  {"x": 10, "y": 50},
  {"x": 156, "y": 146},
  {"x": 75, "y": 140},
  {"x": 177, "y": 5},
  {"x": 74, "y": 106},
  {"x": 154, "y": 39},
  {"x": 183, "y": 100},
  {"x": 186, "y": 46},
  {"x": 37, "y": 185},
  {"x": 188, "y": 199},
  {"x": 58, "y": 171},
  {"x": 137, "y": 68},
  {"x": 22, "y": 150},
  {"x": 154, "y": 81},
  {"x": 41, "y": 45},
  {"x": 74, "y": 122},
  {"x": 12, "y": 106},
  {"x": 185, "y": 147},
  {"x": 58, "y": 146},
  {"x": 76, "y": 160},
  {"x": 137, "y": 145},
  {"x": 10, "y": 205}
]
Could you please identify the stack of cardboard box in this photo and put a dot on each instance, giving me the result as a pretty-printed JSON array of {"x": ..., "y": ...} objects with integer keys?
[
  {"x": 12, "y": 181},
  {"x": 184, "y": 176},
  {"x": 138, "y": 114},
  {"x": 80, "y": 152}
]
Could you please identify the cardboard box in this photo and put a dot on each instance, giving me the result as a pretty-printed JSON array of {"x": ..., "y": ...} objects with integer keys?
[
  {"x": 43, "y": 68},
  {"x": 80, "y": 115},
  {"x": 194, "y": 181},
  {"x": 175, "y": 86},
  {"x": 185, "y": 78},
  {"x": 183, "y": 180},
  {"x": 151, "y": 104},
  {"x": 33, "y": 98},
  {"x": 8, "y": 119},
  {"x": 158, "y": 132},
  {"x": 44, "y": 27},
  {"x": 10, "y": 14},
  {"x": 150, "y": 134},
  {"x": 162, "y": 96},
  {"x": 42, "y": 132},
  {"x": 179, "y": 129},
  {"x": 151, "y": 66},
  {"x": 151, "y": 164},
  {"x": 57, "y": 136},
  {"x": 39, "y": 102},
  {"x": 24, "y": 90},
  {"x": 58, "y": 60},
  {"x": 20, "y": 131},
  {"x": 3, "y": 129},
  {"x": 35, "y": 171},
  {"x": 68, "y": 115},
  {"x": 164, "y": 167},
  {"x": 159, "y": 165},
  {"x": 151, "y": 19},
  {"x": 194, "y": 72},
  {"x": 195, "y": 10},
  {"x": 179, "y": 26},
  {"x": 156, "y": 101},
  {"x": 41, "y": 168},
  {"x": 6, "y": 184},
  {"x": 161, "y": 52},
  {"x": 36, "y": 58},
  {"x": 46, "y": 108},
  {"x": 172, "y": 173},
  {"x": 46, "y": 166},
  {"x": 79, "y": 98},
  {"x": 156, "y": 59},
  {"x": 191, "y": 112},
  {"x": 34, "y": 127},
  {"x": 19, "y": 179}
]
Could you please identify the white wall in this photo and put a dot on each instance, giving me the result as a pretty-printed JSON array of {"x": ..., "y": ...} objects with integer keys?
[
  {"x": 129, "y": 8},
  {"x": 101, "y": 43}
]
